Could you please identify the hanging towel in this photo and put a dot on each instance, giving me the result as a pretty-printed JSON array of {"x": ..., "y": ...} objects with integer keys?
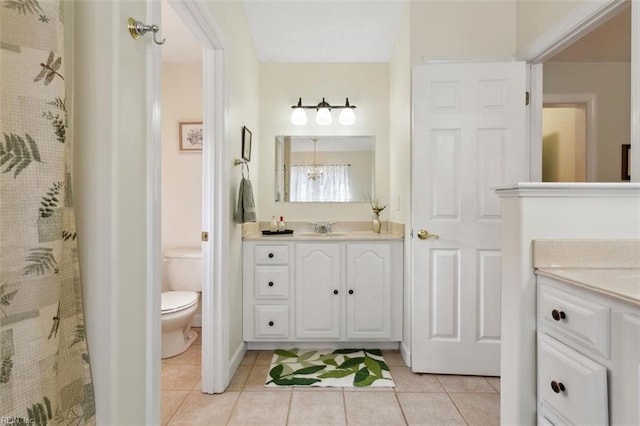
[{"x": 246, "y": 211}]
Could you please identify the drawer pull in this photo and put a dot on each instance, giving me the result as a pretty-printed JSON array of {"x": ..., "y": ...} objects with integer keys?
[
  {"x": 271, "y": 325},
  {"x": 335, "y": 291},
  {"x": 557, "y": 387},
  {"x": 270, "y": 255},
  {"x": 270, "y": 283},
  {"x": 558, "y": 315},
  {"x": 350, "y": 291}
]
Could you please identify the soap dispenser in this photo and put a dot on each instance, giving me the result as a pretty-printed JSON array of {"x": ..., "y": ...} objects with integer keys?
[
  {"x": 281, "y": 224},
  {"x": 274, "y": 224}
]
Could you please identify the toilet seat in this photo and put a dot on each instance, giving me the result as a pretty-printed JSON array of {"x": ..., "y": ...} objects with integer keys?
[{"x": 174, "y": 301}]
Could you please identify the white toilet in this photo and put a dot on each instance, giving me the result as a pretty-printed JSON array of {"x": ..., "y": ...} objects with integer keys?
[{"x": 179, "y": 305}]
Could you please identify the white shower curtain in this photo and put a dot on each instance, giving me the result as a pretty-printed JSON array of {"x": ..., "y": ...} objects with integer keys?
[
  {"x": 45, "y": 375},
  {"x": 333, "y": 185}
]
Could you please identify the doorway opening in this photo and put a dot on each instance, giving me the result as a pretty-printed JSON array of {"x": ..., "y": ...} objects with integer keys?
[
  {"x": 569, "y": 143},
  {"x": 195, "y": 16}
]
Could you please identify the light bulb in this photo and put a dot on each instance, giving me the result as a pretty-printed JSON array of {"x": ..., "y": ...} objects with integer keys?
[
  {"x": 347, "y": 117},
  {"x": 323, "y": 116},
  {"x": 298, "y": 117}
]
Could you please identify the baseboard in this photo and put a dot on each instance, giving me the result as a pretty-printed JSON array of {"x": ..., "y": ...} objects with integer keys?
[
  {"x": 266, "y": 346},
  {"x": 405, "y": 351},
  {"x": 236, "y": 359}
]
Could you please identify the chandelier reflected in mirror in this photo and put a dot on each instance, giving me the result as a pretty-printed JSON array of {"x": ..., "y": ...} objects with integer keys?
[{"x": 314, "y": 173}]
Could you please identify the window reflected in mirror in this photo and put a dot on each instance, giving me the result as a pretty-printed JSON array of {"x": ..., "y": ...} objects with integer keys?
[{"x": 324, "y": 168}]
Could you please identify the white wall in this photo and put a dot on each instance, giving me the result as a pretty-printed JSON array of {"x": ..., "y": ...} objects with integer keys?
[
  {"x": 462, "y": 29},
  {"x": 400, "y": 124},
  {"x": 181, "y": 171},
  {"x": 110, "y": 182},
  {"x": 534, "y": 17},
  {"x": 400, "y": 157},
  {"x": 281, "y": 84},
  {"x": 610, "y": 81},
  {"x": 243, "y": 81}
]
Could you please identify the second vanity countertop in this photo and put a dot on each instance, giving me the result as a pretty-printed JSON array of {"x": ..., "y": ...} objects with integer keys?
[
  {"x": 332, "y": 236},
  {"x": 610, "y": 267},
  {"x": 621, "y": 283}
]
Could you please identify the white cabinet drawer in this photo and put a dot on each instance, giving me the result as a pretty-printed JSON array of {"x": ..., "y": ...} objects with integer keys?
[
  {"x": 271, "y": 254},
  {"x": 271, "y": 282},
  {"x": 271, "y": 321},
  {"x": 572, "y": 389},
  {"x": 577, "y": 321}
]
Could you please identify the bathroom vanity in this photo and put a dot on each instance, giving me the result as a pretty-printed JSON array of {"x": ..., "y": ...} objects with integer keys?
[
  {"x": 588, "y": 331},
  {"x": 322, "y": 288}
]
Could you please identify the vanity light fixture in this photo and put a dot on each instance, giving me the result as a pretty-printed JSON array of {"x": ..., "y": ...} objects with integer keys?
[{"x": 323, "y": 113}]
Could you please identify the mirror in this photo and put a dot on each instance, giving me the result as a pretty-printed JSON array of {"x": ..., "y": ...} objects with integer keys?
[{"x": 324, "y": 168}]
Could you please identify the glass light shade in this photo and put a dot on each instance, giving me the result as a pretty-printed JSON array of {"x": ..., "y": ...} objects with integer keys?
[
  {"x": 347, "y": 117},
  {"x": 323, "y": 116},
  {"x": 298, "y": 117}
]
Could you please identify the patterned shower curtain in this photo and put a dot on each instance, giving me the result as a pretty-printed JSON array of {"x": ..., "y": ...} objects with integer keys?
[{"x": 45, "y": 375}]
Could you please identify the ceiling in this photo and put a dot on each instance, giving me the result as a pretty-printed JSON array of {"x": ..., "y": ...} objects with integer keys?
[
  {"x": 324, "y": 30},
  {"x": 356, "y": 31}
]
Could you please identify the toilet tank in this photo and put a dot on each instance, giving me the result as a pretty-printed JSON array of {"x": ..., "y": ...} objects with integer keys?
[{"x": 183, "y": 268}]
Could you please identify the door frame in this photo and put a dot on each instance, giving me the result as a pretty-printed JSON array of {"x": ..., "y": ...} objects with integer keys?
[
  {"x": 215, "y": 339},
  {"x": 580, "y": 21},
  {"x": 215, "y": 362},
  {"x": 588, "y": 101}
]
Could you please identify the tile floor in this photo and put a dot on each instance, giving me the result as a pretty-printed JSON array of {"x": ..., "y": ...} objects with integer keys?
[{"x": 417, "y": 399}]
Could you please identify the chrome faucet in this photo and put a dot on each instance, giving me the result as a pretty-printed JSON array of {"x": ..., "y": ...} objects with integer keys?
[{"x": 322, "y": 228}]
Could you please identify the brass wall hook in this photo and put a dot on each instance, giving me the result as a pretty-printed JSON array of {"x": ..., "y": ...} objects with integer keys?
[{"x": 137, "y": 29}]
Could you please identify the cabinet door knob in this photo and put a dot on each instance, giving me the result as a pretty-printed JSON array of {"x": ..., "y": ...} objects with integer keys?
[
  {"x": 270, "y": 323},
  {"x": 350, "y": 291},
  {"x": 335, "y": 291},
  {"x": 557, "y": 387},
  {"x": 558, "y": 315},
  {"x": 270, "y": 283},
  {"x": 270, "y": 255}
]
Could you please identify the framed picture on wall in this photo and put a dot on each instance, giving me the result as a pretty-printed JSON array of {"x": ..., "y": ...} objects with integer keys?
[
  {"x": 626, "y": 162},
  {"x": 190, "y": 135},
  {"x": 246, "y": 143}
]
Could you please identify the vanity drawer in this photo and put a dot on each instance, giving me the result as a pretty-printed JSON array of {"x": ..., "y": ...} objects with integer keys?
[
  {"x": 572, "y": 389},
  {"x": 271, "y": 282},
  {"x": 577, "y": 321},
  {"x": 271, "y": 321},
  {"x": 271, "y": 254}
]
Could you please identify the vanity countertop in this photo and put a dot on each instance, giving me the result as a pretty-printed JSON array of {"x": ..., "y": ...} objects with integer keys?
[
  {"x": 610, "y": 267},
  {"x": 333, "y": 236},
  {"x": 621, "y": 283}
]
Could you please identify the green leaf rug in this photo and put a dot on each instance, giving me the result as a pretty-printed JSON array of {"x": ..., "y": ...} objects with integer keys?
[{"x": 329, "y": 368}]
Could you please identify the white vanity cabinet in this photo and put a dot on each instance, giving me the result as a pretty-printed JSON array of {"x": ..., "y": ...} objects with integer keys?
[
  {"x": 338, "y": 291},
  {"x": 267, "y": 284},
  {"x": 588, "y": 356},
  {"x": 318, "y": 290},
  {"x": 370, "y": 284}
]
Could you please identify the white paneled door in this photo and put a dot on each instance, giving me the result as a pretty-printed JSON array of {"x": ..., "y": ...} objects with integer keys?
[{"x": 468, "y": 136}]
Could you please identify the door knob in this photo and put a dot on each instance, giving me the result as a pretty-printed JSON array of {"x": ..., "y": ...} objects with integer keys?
[{"x": 423, "y": 234}]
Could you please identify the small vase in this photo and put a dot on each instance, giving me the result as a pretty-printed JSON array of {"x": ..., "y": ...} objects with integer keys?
[{"x": 377, "y": 225}]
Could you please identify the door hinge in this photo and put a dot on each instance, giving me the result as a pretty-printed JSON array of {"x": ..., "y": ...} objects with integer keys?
[
  {"x": 205, "y": 236},
  {"x": 526, "y": 98}
]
